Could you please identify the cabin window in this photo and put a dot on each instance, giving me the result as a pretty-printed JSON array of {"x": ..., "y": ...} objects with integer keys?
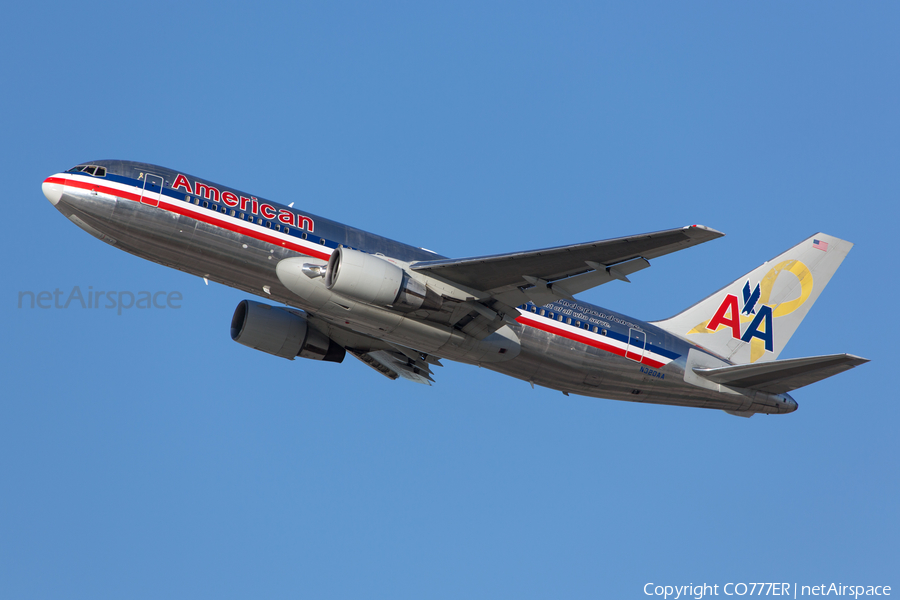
[
  {"x": 287, "y": 230},
  {"x": 277, "y": 227},
  {"x": 259, "y": 220},
  {"x": 559, "y": 318},
  {"x": 322, "y": 241},
  {"x": 303, "y": 235},
  {"x": 242, "y": 216},
  {"x": 205, "y": 204},
  {"x": 603, "y": 331},
  {"x": 224, "y": 210},
  {"x": 568, "y": 320},
  {"x": 231, "y": 213},
  {"x": 543, "y": 313},
  {"x": 187, "y": 198},
  {"x": 269, "y": 224}
]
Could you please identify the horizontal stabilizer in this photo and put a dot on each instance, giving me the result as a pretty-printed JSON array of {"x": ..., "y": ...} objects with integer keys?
[{"x": 781, "y": 376}]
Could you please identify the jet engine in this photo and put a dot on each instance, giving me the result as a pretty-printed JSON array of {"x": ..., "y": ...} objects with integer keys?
[
  {"x": 373, "y": 280},
  {"x": 282, "y": 332}
]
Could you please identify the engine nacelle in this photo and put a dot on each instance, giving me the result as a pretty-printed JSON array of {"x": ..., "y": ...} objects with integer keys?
[
  {"x": 373, "y": 280},
  {"x": 281, "y": 332}
]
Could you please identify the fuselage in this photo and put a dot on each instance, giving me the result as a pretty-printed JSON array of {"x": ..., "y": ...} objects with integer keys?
[{"x": 238, "y": 239}]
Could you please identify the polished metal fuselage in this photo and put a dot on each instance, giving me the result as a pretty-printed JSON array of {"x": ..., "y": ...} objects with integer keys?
[{"x": 247, "y": 263}]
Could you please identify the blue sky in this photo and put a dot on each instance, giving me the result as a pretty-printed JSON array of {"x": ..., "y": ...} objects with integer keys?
[{"x": 147, "y": 455}]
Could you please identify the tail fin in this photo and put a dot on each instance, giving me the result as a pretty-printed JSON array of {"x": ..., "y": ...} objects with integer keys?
[{"x": 752, "y": 319}]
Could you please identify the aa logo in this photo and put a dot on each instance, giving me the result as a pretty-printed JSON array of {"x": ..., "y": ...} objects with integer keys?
[
  {"x": 750, "y": 317},
  {"x": 728, "y": 315}
]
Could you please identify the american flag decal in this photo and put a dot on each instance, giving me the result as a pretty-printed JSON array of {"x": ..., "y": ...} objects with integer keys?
[{"x": 820, "y": 244}]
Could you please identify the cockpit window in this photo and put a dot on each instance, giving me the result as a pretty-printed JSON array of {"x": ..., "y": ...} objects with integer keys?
[{"x": 89, "y": 169}]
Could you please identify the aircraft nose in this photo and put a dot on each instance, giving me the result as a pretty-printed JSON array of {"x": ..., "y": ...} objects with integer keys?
[{"x": 52, "y": 190}]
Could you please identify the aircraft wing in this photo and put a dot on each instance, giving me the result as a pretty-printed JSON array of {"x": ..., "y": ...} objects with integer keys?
[
  {"x": 398, "y": 362},
  {"x": 782, "y": 376},
  {"x": 546, "y": 275}
]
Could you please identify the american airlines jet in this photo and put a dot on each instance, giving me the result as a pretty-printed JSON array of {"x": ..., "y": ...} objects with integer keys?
[{"x": 336, "y": 290}]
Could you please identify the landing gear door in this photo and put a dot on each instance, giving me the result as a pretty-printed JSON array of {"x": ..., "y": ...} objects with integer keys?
[
  {"x": 637, "y": 341},
  {"x": 153, "y": 185}
]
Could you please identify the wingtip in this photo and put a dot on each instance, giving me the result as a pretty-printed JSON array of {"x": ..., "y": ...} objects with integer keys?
[
  {"x": 713, "y": 233},
  {"x": 857, "y": 360}
]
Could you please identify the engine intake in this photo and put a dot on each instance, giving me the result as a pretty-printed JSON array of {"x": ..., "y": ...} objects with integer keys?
[
  {"x": 281, "y": 332},
  {"x": 373, "y": 280}
]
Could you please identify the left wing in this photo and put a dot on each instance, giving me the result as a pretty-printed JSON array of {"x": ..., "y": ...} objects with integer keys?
[
  {"x": 391, "y": 360},
  {"x": 399, "y": 362}
]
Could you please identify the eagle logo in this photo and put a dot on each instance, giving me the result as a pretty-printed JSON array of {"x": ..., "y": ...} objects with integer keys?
[{"x": 750, "y": 299}]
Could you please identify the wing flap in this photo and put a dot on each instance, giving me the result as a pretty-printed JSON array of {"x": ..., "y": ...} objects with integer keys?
[
  {"x": 395, "y": 364},
  {"x": 367, "y": 359},
  {"x": 781, "y": 376}
]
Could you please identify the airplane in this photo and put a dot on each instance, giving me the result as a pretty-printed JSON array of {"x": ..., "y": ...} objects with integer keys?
[{"x": 401, "y": 309}]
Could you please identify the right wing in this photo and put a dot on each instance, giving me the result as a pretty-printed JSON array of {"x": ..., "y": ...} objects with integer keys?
[
  {"x": 494, "y": 285},
  {"x": 561, "y": 272}
]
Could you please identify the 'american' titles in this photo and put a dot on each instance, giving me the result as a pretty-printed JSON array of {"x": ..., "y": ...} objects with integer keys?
[{"x": 251, "y": 204}]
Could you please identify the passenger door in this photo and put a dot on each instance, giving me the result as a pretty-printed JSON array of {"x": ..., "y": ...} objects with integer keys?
[
  {"x": 637, "y": 341},
  {"x": 152, "y": 190}
]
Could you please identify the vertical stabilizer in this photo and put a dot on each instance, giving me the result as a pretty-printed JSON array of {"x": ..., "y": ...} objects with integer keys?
[{"x": 753, "y": 318}]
